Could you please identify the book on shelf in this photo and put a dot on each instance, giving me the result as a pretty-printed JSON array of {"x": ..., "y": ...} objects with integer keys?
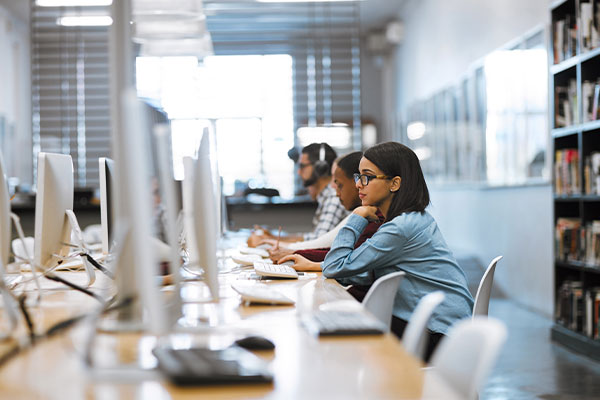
[
  {"x": 565, "y": 38},
  {"x": 569, "y": 239},
  {"x": 591, "y": 173},
  {"x": 578, "y": 308},
  {"x": 565, "y": 99},
  {"x": 566, "y": 172},
  {"x": 587, "y": 22}
]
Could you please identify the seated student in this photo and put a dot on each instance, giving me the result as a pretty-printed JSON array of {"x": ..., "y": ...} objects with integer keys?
[
  {"x": 314, "y": 168},
  {"x": 309, "y": 258},
  {"x": 392, "y": 182}
]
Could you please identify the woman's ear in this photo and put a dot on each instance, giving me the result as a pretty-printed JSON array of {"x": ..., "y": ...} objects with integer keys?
[{"x": 396, "y": 182}]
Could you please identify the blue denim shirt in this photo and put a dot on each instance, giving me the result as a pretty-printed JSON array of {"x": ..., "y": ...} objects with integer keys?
[{"x": 413, "y": 243}]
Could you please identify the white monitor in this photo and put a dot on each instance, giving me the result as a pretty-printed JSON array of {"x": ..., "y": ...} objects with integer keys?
[
  {"x": 107, "y": 187},
  {"x": 187, "y": 199},
  {"x": 205, "y": 217},
  {"x": 5, "y": 222},
  {"x": 54, "y": 217},
  {"x": 136, "y": 265},
  {"x": 53, "y": 198}
]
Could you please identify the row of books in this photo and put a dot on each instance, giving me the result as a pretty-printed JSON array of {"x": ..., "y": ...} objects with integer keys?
[
  {"x": 590, "y": 97},
  {"x": 565, "y": 103},
  {"x": 578, "y": 309},
  {"x": 589, "y": 18},
  {"x": 564, "y": 33},
  {"x": 566, "y": 172},
  {"x": 591, "y": 173},
  {"x": 578, "y": 242}
]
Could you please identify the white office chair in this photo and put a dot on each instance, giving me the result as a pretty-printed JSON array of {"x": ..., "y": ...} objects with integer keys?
[
  {"x": 379, "y": 300},
  {"x": 464, "y": 359},
  {"x": 482, "y": 298},
  {"x": 415, "y": 335}
]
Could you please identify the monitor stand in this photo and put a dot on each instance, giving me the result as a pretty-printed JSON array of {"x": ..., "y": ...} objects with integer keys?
[
  {"x": 17, "y": 223},
  {"x": 89, "y": 269}
]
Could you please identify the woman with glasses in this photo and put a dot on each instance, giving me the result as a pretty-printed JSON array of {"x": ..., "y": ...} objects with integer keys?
[{"x": 390, "y": 181}]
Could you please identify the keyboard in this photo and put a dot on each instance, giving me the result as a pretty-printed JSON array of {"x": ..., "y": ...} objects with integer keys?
[
  {"x": 275, "y": 270},
  {"x": 12, "y": 280},
  {"x": 340, "y": 323},
  {"x": 260, "y": 293},
  {"x": 198, "y": 366}
]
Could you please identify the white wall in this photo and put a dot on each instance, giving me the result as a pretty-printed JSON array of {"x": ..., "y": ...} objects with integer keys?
[
  {"x": 442, "y": 39},
  {"x": 15, "y": 92},
  {"x": 513, "y": 222}
]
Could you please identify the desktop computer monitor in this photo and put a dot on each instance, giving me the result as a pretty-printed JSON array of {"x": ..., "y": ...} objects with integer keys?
[
  {"x": 5, "y": 222},
  {"x": 53, "y": 198},
  {"x": 187, "y": 198},
  {"x": 107, "y": 186},
  {"x": 206, "y": 227}
]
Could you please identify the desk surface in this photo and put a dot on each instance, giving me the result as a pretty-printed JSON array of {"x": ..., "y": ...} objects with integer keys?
[{"x": 305, "y": 367}]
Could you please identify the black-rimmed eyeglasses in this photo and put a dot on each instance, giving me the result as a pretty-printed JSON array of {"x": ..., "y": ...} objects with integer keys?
[{"x": 365, "y": 179}]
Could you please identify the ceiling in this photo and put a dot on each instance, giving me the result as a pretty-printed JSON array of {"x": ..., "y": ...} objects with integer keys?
[{"x": 373, "y": 14}]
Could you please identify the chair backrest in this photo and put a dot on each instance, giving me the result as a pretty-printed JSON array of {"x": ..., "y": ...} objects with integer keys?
[
  {"x": 466, "y": 356},
  {"x": 414, "y": 338},
  {"x": 482, "y": 298},
  {"x": 379, "y": 300}
]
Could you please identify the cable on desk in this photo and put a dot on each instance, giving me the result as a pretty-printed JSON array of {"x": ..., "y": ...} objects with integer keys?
[
  {"x": 28, "y": 321},
  {"x": 55, "y": 329},
  {"x": 56, "y": 278},
  {"x": 98, "y": 266}
]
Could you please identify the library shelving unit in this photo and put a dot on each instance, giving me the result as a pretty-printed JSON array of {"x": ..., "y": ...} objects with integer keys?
[{"x": 574, "y": 80}]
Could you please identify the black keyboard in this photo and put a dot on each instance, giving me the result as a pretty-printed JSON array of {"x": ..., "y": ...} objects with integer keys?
[
  {"x": 334, "y": 323},
  {"x": 212, "y": 367}
]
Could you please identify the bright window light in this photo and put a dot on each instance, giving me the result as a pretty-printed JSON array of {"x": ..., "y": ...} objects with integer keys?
[
  {"x": 85, "y": 20},
  {"x": 337, "y": 136},
  {"x": 423, "y": 153},
  {"x": 415, "y": 130},
  {"x": 72, "y": 3},
  {"x": 247, "y": 100}
]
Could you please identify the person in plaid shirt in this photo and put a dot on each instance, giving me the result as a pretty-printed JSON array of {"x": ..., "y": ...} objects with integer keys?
[{"x": 314, "y": 168}]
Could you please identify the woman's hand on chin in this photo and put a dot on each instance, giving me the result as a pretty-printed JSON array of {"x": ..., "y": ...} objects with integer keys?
[{"x": 368, "y": 212}]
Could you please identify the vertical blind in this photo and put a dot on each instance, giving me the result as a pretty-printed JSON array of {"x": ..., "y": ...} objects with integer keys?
[
  {"x": 322, "y": 38},
  {"x": 70, "y": 90},
  {"x": 70, "y": 82}
]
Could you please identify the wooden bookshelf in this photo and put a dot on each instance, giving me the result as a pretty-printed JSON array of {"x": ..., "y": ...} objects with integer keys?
[{"x": 575, "y": 130}]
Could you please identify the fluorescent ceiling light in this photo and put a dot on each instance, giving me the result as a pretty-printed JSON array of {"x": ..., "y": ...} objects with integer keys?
[
  {"x": 72, "y": 3},
  {"x": 302, "y": 1},
  {"x": 85, "y": 20},
  {"x": 415, "y": 130}
]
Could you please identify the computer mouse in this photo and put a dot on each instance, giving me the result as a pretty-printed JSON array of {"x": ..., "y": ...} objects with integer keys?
[{"x": 255, "y": 343}]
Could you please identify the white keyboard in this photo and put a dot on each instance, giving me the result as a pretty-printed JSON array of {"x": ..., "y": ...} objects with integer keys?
[
  {"x": 260, "y": 293},
  {"x": 253, "y": 250},
  {"x": 275, "y": 270},
  {"x": 12, "y": 280},
  {"x": 246, "y": 259}
]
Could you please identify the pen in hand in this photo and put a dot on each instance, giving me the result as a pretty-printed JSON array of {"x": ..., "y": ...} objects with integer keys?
[{"x": 278, "y": 237}]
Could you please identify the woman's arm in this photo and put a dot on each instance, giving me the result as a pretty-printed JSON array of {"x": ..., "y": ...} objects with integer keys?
[
  {"x": 321, "y": 242},
  {"x": 383, "y": 249}
]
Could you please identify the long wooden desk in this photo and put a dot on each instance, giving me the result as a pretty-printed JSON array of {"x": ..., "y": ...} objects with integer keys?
[{"x": 305, "y": 367}]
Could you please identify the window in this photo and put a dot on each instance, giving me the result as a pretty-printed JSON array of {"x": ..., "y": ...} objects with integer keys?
[{"x": 247, "y": 100}]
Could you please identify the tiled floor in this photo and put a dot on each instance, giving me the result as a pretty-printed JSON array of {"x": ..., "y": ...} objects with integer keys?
[{"x": 533, "y": 367}]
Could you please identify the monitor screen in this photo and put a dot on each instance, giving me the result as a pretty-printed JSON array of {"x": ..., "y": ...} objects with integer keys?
[
  {"x": 54, "y": 197},
  {"x": 107, "y": 186}
]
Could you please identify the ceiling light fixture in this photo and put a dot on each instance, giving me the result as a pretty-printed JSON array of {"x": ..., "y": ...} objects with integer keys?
[
  {"x": 72, "y": 3},
  {"x": 85, "y": 20}
]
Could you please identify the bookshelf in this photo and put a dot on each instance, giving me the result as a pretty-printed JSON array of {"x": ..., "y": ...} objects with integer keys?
[{"x": 574, "y": 76}]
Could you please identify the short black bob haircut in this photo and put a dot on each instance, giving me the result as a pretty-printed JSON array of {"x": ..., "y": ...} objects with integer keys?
[
  {"x": 349, "y": 163},
  {"x": 395, "y": 159}
]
